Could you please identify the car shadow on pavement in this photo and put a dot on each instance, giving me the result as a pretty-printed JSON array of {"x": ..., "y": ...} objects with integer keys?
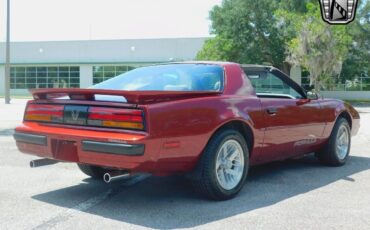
[{"x": 169, "y": 202}]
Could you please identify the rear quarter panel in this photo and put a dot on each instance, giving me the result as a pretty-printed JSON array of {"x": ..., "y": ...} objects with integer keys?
[{"x": 186, "y": 126}]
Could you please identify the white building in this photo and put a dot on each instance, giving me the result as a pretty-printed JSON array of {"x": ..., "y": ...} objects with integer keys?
[{"x": 84, "y": 63}]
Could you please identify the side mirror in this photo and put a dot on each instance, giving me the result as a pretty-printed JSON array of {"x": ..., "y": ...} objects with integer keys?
[{"x": 312, "y": 95}]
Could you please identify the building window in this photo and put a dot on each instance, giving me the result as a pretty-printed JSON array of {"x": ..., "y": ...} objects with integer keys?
[
  {"x": 102, "y": 73},
  {"x": 33, "y": 77}
]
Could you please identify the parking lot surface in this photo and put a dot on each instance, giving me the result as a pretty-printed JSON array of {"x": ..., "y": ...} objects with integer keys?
[{"x": 294, "y": 194}]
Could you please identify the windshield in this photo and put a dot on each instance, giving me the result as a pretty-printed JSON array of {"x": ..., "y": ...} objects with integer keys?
[{"x": 172, "y": 77}]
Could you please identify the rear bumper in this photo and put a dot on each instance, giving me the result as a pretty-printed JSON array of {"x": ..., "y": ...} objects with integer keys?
[
  {"x": 131, "y": 151},
  {"x": 93, "y": 146}
]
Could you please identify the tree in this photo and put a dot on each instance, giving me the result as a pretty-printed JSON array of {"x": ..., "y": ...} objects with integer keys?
[
  {"x": 218, "y": 48},
  {"x": 357, "y": 64},
  {"x": 288, "y": 32},
  {"x": 319, "y": 47},
  {"x": 247, "y": 31}
]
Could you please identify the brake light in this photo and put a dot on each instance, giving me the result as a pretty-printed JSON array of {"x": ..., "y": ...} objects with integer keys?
[
  {"x": 46, "y": 113},
  {"x": 117, "y": 118},
  {"x": 95, "y": 116}
]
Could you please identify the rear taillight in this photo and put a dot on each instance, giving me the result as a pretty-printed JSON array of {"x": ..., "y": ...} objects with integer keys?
[
  {"x": 45, "y": 113},
  {"x": 117, "y": 118},
  {"x": 93, "y": 116}
]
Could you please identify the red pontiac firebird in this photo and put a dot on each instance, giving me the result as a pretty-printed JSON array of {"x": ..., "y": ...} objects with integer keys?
[{"x": 208, "y": 120}]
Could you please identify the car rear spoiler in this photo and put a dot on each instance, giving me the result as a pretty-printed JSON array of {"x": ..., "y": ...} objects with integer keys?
[{"x": 136, "y": 97}]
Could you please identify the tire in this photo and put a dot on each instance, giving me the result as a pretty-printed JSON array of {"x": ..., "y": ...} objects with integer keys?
[
  {"x": 336, "y": 150},
  {"x": 208, "y": 180},
  {"x": 92, "y": 171}
]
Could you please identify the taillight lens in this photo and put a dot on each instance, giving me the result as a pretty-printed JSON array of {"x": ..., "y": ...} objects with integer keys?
[
  {"x": 45, "y": 113},
  {"x": 117, "y": 118},
  {"x": 96, "y": 116}
]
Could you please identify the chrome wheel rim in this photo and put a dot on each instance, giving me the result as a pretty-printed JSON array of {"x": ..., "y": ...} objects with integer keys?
[
  {"x": 229, "y": 164},
  {"x": 342, "y": 143}
]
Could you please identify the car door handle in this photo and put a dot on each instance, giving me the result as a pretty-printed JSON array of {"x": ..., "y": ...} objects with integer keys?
[{"x": 272, "y": 110}]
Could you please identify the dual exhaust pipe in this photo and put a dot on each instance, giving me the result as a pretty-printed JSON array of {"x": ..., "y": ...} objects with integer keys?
[
  {"x": 42, "y": 162},
  {"x": 114, "y": 176},
  {"x": 107, "y": 177}
]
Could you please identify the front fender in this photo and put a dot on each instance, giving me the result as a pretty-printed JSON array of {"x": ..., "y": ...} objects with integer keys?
[{"x": 347, "y": 111}]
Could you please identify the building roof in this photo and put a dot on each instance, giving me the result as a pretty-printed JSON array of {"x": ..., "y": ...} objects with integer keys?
[{"x": 103, "y": 51}]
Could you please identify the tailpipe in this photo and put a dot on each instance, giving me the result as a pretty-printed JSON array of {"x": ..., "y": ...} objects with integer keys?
[
  {"x": 115, "y": 175},
  {"x": 42, "y": 162}
]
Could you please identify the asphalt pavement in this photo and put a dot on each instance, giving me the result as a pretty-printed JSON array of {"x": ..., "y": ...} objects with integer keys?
[{"x": 294, "y": 194}]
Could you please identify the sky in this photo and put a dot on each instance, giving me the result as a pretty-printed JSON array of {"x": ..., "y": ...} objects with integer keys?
[{"x": 57, "y": 20}]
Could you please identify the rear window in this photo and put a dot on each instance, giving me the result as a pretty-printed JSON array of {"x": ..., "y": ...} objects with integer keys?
[{"x": 172, "y": 77}]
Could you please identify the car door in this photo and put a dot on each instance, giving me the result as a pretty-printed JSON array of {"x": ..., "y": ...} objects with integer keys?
[{"x": 292, "y": 122}]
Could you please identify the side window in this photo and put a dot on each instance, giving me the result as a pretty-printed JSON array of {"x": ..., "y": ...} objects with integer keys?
[{"x": 269, "y": 84}]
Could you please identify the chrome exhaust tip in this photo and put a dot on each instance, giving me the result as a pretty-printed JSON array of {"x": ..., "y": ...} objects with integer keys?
[
  {"x": 116, "y": 175},
  {"x": 42, "y": 162}
]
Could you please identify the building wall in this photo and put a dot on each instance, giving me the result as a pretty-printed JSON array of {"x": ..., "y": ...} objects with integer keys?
[
  {"x": 2, "y": 80},
  {"x": 347, "y": 95},
  {"x": 296, "y": 74},
  {"x": 86, "y": 76},
  {"x": 104, "y": 51},
  {"x": 87, "y": 54}
]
